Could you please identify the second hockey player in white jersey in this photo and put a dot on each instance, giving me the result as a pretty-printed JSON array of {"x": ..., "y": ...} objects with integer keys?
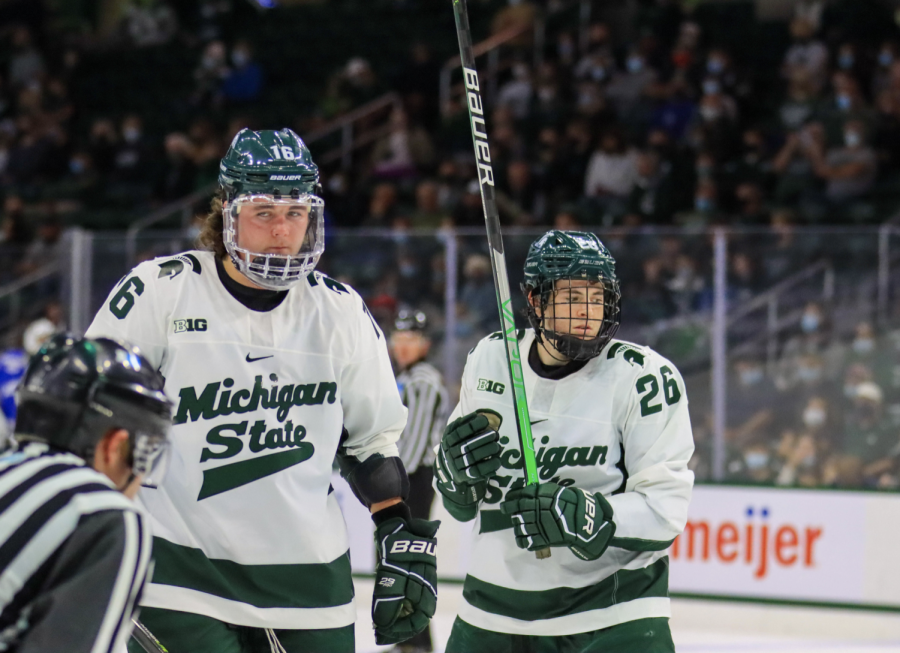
[
  {"x": 275, "y": 369},
  {"x": 613, "y": 439}
]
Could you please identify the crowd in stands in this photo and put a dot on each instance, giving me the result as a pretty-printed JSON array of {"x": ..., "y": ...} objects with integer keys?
[
  {"x": 671, "y": 115},
  {"x": 826, "y": 415}
]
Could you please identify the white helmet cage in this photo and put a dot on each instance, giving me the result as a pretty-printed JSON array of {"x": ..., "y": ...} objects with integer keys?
[{"x": 276, "y": 271}]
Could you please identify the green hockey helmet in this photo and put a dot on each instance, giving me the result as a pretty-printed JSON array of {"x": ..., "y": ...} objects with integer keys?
[
  {"x": 559, "y": 256},
  {"x": 272, "y": 169}
]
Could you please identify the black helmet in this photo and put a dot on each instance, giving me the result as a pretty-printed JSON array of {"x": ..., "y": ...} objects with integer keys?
[
  {"x": 559, "y": 255},
  {"x": 410, "y": 320},
  {"x": 74, "y": 391}
]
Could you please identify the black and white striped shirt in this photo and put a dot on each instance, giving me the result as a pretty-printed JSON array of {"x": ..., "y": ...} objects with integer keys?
[
  {"x": 424, "y": 395},
  {"x": 74, "y": 554}
]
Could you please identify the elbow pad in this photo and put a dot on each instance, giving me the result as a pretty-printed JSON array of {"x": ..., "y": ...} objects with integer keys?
[{"x": 376, "y": 478}]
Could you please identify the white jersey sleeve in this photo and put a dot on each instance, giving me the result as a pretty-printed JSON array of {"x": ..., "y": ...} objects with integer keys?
[
  {"x": 374, "y": 416},
  {"x": 134, "y": 312},
  {"x": 657, "y": 442}
]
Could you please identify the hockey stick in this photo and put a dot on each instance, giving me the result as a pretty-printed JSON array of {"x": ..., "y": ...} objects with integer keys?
[
  {"x": 495, "y": 241},
  {"x": 146, "y": 639}
]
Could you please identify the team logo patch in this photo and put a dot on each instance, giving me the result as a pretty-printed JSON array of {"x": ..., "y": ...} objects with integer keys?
[
  {"x": 486, "y": 385},
  {"x": 191, "y": 324}
]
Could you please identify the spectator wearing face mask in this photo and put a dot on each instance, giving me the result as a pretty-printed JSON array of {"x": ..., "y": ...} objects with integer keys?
[
  {"x": 754, "y": 463},
  {"x": 752, "y": 408},
  {"x": 516, "y": 94},
  {"x": 867, "y": 435},
  {"x": 808, "y": 367},
  {"x": 888, "y": 53},
  {"x": 850, "y": 170},
  {"x": 631, "y": 90},
  {"x": 864, "y": 347},
  {"x": 846, "y": 103},
  {"x": 244, "y": 81}
]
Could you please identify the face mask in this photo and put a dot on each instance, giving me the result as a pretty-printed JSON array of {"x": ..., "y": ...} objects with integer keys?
[
  {"x": 863, "y": 345},
  {"x": 756, "y": 459},
  {"x": 845, "y": 61},
  {"x": 715, "y": 66},
  {"x": 209, "y": 62},
  {"x": 885, "y": 58},
  {"x": 239, "y": 58},
  {"x": 813, "y": 417},
  {"x": 751, "y": 376},
  {"x": 131, "y": 135},
  {"x": 703, "y": 204},
  {"x": 809, "y": 374},
  {"x": 634, "y": 64},
  {"x": 843, "y": 101},
  {"x": 76, "y": 166},
  {"x": 849, "y": 391},
  {"x": 565, "y": 49},
  {"x": 809, "y": 322},
  {"x": 710, "y": 113},
  {"x": 598, "y": 73},
  {"x": 711, "y": 87},
  {"x": 809, "y": 462},
  {"x": 407, "y": 270},
  {"x": 193, "y": 233},
  {"x": 852, "y": 139},
  {"x": 547, "y": 93}
]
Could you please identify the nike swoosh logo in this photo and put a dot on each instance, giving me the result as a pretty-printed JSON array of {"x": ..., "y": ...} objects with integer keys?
[
  {"x": 253, "y": 360},
  {"x": 538, "y": 421}
]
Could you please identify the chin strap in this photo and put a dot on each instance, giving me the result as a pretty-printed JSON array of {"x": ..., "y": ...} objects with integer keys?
[{"x": 125, "y": 485}]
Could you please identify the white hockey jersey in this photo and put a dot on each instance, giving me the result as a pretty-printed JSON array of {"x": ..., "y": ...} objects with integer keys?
[
  {"x": 246, "y": 527},
  {"x": 618, "y": 426}
]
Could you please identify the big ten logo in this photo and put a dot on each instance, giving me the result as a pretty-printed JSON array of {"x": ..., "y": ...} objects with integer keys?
[
  {"x": 754, "y": 543},
  {"x": 486, "y": 385},
  {"x": 190, "y": 324}
]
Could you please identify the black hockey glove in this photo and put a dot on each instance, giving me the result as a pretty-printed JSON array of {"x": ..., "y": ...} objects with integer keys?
[
  {"x": 551, "y": 515},
  {"x": 405, "y": 596},
  {"x": 468, "y": 456}
]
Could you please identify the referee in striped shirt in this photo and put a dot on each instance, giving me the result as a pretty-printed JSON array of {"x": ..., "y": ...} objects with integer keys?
[
  {"x": 92, "y": 427},
  {"x": 424, "y": 395}
]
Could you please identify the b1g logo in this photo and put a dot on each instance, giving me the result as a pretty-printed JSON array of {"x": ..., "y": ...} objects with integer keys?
[
  {"x": 408, "y": 546},
  {"x": 190, "y": 324},
  {"x": 486, "y": 385}
]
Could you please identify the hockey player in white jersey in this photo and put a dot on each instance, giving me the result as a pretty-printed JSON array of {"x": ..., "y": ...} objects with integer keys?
[
  {"x": 613, "y": 439},
  {"x": 275, "y": 369}
]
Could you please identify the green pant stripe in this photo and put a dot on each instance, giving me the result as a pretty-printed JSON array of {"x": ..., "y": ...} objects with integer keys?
[
  {"x": 626, "y": 585},
  {"x": 264, "y": 586},
  {"x": 651, "y": 635}
]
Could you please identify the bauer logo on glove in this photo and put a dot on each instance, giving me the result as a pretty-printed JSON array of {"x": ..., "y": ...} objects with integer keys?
[{"x": 551, "y": 515}]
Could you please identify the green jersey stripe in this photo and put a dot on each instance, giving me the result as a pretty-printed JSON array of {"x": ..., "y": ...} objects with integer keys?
[
  {"x": 637, "y": 544},
  {"x": 264, "y": 586},
  {"x": 623, "y": 586}
]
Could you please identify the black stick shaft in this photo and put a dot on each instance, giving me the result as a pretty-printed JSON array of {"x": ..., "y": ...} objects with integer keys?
[{"x": 495, "y": 241}]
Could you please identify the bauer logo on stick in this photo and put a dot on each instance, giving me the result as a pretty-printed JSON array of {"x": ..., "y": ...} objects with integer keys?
[{"x": 479, "y": 131}]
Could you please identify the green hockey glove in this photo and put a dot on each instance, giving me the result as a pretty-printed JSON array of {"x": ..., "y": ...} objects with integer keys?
[
  {"x": 551, "y": 515},
  {"x": 405, "y": 596},
  {"x": 470, "y": 447}
]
